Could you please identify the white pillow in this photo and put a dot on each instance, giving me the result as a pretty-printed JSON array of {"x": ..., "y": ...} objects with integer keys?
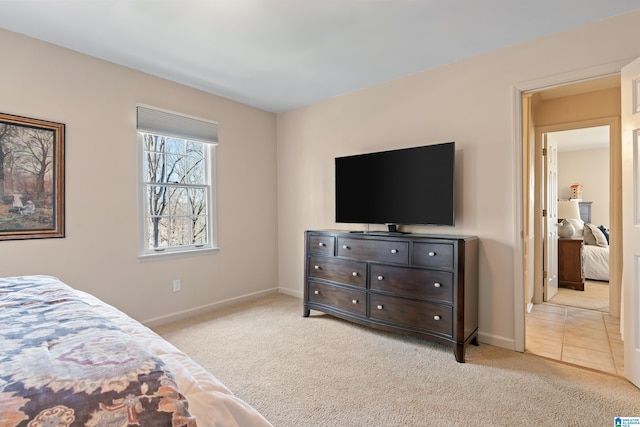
[
  {"x": 594, "y": 236},
  {"x": 578, "y": 225}
]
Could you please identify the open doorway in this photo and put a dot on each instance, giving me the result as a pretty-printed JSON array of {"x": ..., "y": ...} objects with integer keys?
[
  {"x": 583, "y": 194},
  {"x": 592, "y": 104}
]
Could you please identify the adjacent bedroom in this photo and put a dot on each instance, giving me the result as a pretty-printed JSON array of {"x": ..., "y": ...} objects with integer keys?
[{"x": 583, "y": 190}]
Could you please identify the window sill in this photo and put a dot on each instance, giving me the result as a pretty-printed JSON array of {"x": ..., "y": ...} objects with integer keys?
[{"x": 177, "y": 254}]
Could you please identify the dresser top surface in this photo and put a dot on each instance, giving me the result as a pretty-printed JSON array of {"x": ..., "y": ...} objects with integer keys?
[{"x": 388, "y": 235}]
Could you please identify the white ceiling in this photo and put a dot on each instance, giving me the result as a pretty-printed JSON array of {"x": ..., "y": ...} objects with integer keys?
[{"x": 281, "y": 54}]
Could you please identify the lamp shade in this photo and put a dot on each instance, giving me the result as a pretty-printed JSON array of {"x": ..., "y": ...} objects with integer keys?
[{"x": 568, "y": 209}]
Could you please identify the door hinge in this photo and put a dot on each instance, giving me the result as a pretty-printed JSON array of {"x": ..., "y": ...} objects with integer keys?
[
  {"x": 544, "y": 274},
  {"x": 544, "y": 151},
  {"x": 544, "y": 213}
]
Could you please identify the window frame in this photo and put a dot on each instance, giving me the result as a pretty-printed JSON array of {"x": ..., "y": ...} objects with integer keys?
[{"x": 209, "y": 156}]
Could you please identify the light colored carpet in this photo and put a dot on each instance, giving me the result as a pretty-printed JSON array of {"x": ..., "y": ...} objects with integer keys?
[
  {"x": 594, "y": 297},
  {"x": 321, "y": 371}
]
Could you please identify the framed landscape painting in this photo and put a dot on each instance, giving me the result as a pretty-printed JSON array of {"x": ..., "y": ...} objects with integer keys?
[{"x": 31, "y": 178}]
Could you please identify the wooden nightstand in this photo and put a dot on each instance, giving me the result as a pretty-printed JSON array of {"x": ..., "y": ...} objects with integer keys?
[{"x": 570, "y": 263}]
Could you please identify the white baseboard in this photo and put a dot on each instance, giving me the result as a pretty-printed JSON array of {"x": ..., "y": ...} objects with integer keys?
[
  {"x": 529, "y": 307},
  {"x": 178, "y": 315},
  {"x": 483, "y": 338},
  {"x": 291, "y": 293},
  {"x": 497, "y": 341}
]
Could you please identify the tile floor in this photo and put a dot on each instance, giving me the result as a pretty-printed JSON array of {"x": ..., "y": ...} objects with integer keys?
[{"x": 577, "y": 336}]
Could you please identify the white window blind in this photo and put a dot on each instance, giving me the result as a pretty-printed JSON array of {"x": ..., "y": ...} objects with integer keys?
[{"x": 160, "y": 122}]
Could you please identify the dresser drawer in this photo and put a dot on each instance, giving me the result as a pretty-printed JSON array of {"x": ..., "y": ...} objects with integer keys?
[
  {"x": 351, "y": 300},
  {"x": 319, "y": 244},
  {"x": 374, "y": 250},
  {"x": 420, "y": 315},
  {"x": 338, "y": 270},
  {"x": 413, "y": 283},
  {"x": 437, "y": 255}
]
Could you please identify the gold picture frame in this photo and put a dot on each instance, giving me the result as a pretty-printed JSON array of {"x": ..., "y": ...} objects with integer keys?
[{"x": 31, "y": 178}]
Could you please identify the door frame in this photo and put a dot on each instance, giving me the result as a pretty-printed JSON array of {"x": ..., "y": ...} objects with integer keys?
[
  {"x": 518, "y": 89},
  {"x": 615, "y": 204},
  {"x": 541, "y": 189}
]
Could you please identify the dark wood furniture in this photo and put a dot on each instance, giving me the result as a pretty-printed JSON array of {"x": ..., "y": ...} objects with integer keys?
[
  {"x": 413, "y": 284},
  {"x": 585, "y": 211},
  {"x": 570, "y": 263}
]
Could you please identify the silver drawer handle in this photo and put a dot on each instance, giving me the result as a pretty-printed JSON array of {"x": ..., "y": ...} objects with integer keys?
[
  {"x": 436, "y": 285},
  {"x": 380, "y": 277},
  {"x": 354, "y": 301},
  {"x": 394, "y": 251},
  {"x": 432, "y": 254},
  {"x": 317, "y": 267},
  {"x": 316, "y": 292},
  {"x": 380, "y": 307},
  {"x": 436, "y": 317},
  {"x": 354, "y": 274},
  {"x": 321, "y": 244},
  {"x": 345, "y": 247}
]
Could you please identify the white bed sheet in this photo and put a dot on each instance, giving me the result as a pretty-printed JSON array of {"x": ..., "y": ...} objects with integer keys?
[
  {"x": 596, "y": 262},
  {"x": 210, "y": 401}
]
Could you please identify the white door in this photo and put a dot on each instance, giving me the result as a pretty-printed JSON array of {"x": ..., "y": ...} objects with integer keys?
[
  {"x": 550, "y": 276},
  {"x": 630, "y": 318}
]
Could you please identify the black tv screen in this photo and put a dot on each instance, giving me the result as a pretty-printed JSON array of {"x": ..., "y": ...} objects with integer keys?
[{"x": 411, "y": 186}]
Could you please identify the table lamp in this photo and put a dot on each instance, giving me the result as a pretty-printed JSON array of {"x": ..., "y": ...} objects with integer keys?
[{"x": 567, "y": 209}]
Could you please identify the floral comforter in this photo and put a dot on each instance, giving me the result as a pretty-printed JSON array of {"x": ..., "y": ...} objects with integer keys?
[{"x": 63, "y": 364}]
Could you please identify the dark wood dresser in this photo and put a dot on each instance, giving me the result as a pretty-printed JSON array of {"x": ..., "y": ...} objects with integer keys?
[
  {"x": 571, "y": 263},
  {"x": 413, "y": 284}
]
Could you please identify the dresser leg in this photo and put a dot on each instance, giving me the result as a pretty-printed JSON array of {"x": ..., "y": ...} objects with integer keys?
[
  {"x": 305, "y": 312},
  {"x": 459, "y": 353}
]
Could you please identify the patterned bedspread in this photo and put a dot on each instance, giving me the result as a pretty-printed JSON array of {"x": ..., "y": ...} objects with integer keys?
[{"x": 62, "y": 364}]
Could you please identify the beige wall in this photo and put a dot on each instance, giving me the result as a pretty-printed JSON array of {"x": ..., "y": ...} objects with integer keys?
[
  {"x": 576, "y": 108},
  {"x": 471, "y": 102},
  {"x": 96, "y": 100},
  {"x": 590, "y": 168}
]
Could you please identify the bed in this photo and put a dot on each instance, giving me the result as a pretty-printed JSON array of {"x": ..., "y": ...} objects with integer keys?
[
  {"x": 596, "y": 263},
  {"x": 69, "y": 359},
  {"x": 596, "y": 249}
]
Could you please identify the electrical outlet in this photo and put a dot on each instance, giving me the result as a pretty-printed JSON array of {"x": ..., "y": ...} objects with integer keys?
[{"x": 177, "y": 286}]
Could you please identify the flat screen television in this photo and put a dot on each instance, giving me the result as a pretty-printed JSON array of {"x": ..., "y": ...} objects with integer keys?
[{"x": 411, "y": 186}]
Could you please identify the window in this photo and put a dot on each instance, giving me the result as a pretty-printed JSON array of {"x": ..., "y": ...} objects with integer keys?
[{"x": 176, "y": 182}]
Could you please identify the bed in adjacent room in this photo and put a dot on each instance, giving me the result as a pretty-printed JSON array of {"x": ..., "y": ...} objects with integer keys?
[
  {"x": 69, "y": 359},
  {"x": 595, "y": 250},
  {"x": 596, "y": 263}
]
